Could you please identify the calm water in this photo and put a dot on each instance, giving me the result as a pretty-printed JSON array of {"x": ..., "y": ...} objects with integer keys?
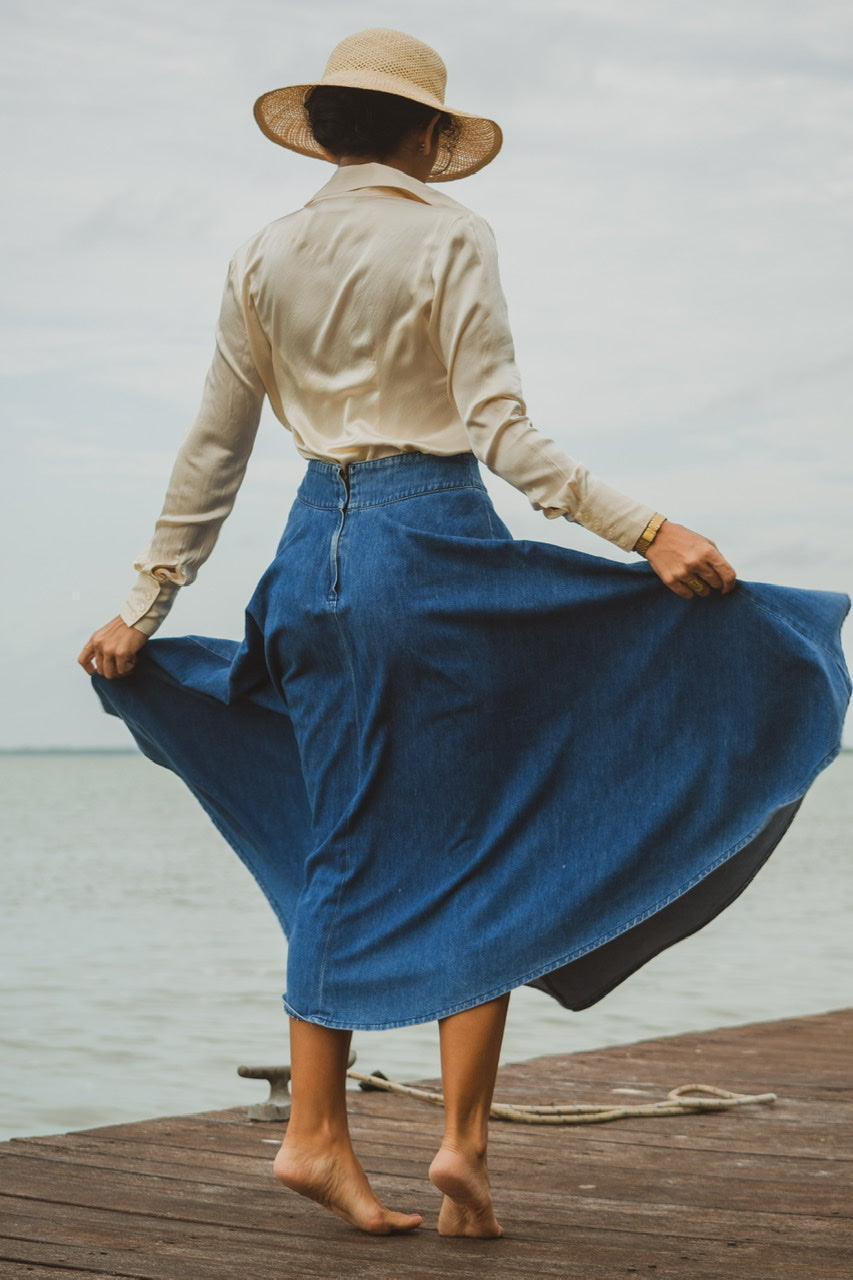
[{"x": 140, "y": 965}]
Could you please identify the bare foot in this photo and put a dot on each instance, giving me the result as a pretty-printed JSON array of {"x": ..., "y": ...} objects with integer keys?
[
  {"x": 467, "y": 1206},
  {"x": 336, "y": 1180}
]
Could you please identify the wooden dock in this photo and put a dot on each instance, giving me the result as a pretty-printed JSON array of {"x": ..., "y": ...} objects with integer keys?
[{"x": 757, "y": 1193}]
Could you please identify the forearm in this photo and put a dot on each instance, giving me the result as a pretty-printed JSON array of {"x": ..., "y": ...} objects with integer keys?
[
  {"x": 553, "y": 482},
  {"x": 206, "y": 476},
  {"x": 205, "y": 479}
]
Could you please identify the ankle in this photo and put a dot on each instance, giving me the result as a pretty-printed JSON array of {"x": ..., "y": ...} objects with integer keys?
[
  {"x": 471, "y": 1147},
  {"x": 323, "y": 1135}
]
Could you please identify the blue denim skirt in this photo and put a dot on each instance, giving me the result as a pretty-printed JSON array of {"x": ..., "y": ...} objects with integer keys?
[{"x": 456, "y": 762}]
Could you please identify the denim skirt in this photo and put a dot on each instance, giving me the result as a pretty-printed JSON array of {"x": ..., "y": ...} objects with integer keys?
[{"x": 456, "y": 762}]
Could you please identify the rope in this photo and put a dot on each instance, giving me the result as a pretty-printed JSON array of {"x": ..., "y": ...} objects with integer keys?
[{"x": 677, "y": 1102}]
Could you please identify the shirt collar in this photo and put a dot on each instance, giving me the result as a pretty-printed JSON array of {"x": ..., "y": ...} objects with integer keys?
[{"x": 356, "y": 177}]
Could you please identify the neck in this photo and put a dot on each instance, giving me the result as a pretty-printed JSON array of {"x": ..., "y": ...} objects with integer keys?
[{"x": 416, "y": 164}]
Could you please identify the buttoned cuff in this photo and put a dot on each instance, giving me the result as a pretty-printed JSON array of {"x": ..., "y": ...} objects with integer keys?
[
  {"x": 612, "y": 515},
  {"x": 148, "y": 603}
]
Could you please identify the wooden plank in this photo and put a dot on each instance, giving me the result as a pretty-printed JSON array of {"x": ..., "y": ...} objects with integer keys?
[
  {"x": 534, "y": 1250},
  {"x": 250, "y": 1204},
  {"x": 721, "y": 1175},
  {"x": 31, "y": 1271},
  {"x": 722, "y": 1180}
]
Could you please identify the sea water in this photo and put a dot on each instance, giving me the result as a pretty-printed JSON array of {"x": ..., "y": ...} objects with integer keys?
[{"x": 141, "y": 965}]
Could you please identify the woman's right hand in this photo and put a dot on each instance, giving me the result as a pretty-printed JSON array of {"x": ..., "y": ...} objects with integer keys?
[
  {"x": 112, "y": 650},
  {"x": 689, "y": 564}
]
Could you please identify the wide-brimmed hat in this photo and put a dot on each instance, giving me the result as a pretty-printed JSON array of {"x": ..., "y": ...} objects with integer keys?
[{"x": 391, "y": 62}]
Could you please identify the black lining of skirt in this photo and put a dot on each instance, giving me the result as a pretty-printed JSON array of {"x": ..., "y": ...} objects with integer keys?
[{"x": 585, "y": 981}]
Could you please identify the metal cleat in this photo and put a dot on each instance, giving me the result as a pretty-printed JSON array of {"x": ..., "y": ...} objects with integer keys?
[{"x": 277, "y": 1105}]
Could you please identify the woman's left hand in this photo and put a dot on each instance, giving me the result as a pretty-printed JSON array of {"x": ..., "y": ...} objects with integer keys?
[
  {"x": 689, "y": 564},
  {"x": 112, "y": 650}
]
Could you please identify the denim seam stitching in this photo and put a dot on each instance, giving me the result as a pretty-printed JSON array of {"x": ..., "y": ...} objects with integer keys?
[{"x": 356, "y": 505}]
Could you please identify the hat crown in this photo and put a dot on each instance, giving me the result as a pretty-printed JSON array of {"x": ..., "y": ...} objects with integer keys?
[{"x": 389, "y": 53}]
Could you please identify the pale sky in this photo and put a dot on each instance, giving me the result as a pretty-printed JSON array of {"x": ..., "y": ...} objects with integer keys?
[{"x": 674, "y": 210}]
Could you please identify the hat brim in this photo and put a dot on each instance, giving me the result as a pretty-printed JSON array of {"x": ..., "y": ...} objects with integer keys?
[{"x": 282, "y": 118}]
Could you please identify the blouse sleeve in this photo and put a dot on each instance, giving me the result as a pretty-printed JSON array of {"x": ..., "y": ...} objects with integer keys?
[
  {"x": 207, "y": 473},
  {"x": 470, "y": 328}
]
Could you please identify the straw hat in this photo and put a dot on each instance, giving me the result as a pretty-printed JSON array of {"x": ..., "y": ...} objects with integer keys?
[{"x": 392, "y": 63}]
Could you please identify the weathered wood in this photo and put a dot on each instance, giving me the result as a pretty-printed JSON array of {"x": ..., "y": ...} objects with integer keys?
[{"x": 762, "y": 1193}]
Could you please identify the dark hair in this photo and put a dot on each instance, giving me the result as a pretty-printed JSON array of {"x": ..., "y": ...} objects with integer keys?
[{"x": 367, "y": 122}]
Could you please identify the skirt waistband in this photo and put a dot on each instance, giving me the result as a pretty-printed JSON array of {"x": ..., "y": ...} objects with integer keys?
[{"x": 371, "y": 484}]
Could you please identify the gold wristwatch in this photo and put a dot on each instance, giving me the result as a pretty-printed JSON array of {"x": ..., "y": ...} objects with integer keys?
[{"x": 649, "y": 534}]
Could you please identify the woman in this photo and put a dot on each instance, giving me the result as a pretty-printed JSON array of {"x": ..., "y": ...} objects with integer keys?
[{"x": 433, "y": 747}]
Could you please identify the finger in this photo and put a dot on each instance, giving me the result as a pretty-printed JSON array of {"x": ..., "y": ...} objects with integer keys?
[
  {"x": 107, "y": 665},
  {"x": 729, "y": 579},
  {"x": 718, "y": 576},
  {"x": 709, "y": 576},
  {"x": 720, "y": 573},
  {"x": 721, "y": 581},
  {"x": 679, "y": 589},
  {"x": 86, "y": 658}
]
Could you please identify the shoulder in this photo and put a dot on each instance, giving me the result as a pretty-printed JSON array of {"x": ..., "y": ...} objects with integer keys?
[
  {"x": 467, "y": 240},
  {"x": 251, "y": 250},
  {"x": 454, "y": 213}
]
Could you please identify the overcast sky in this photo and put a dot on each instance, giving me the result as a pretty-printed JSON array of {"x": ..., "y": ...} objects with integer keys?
[{"x": 673, "y": 207}]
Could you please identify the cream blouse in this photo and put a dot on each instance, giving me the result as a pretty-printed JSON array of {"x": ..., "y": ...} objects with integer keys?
[{"x": 374, "y": 320}]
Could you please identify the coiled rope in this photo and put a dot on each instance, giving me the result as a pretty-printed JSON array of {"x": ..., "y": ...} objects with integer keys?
[{"x": 686, "y": 1099}]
